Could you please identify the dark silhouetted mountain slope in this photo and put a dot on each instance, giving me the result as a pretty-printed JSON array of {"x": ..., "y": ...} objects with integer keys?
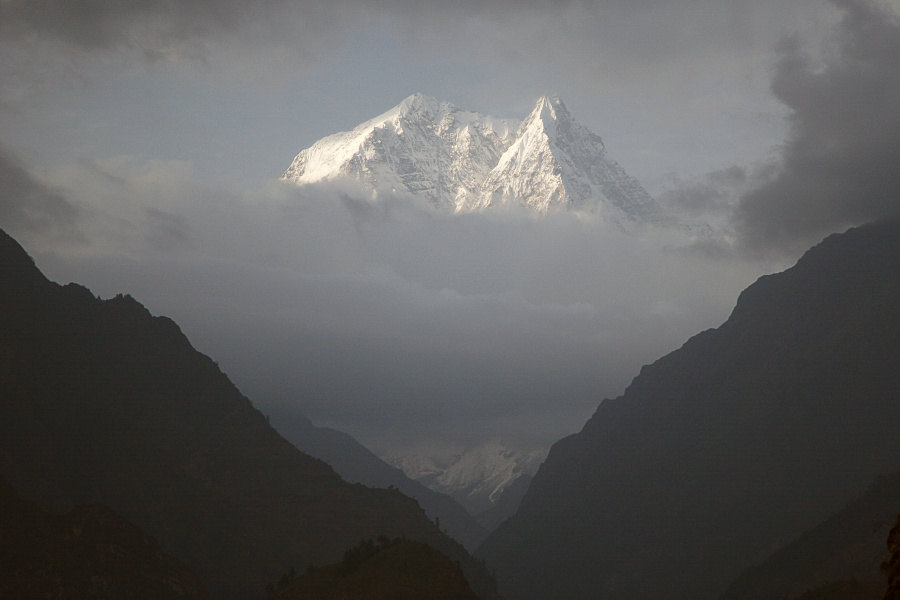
[
  {"x": 387, "y": 570},
  {"x": 357, "y": 464},
  {"x": 506, "y": 505},
  {"x": 892, "y": 565},
  {"x": 104, "y": 403},
  {"x": 723, "y": 451},
  {"x": 90, "y": 552},
  {"x": 850, "y": 589},
  {"x": 847, "y": 546}
]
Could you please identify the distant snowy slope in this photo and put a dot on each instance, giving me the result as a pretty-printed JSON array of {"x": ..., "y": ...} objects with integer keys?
[
  {"x": 477, "y": 478},
  {"x": 356, "y": 464}
]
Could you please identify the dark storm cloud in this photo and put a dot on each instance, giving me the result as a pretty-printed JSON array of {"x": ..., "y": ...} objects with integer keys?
[
  {"x": 27, "y": 206},
  {"x": 841, "y": 162}
]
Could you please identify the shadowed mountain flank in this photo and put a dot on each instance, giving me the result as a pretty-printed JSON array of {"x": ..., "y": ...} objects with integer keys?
[
  {"x": 90, "y": 552},
  {"x": 357, "y": 464},
  {"x": 383, "y": 570},
  {"x": 847, "y": 546},
  {"x": 104, "y": 403},
  {"x": 507, "y": 505},
  {"x": 723, "y": 451},
  {"x": 892, "y": 565},
  {"x": 851, "y": 589}
]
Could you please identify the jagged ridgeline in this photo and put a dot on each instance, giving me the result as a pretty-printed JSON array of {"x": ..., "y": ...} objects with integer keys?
[
  {"x": 103, "y": 403},
  {"x": 464, "y": 161},
  {"x": 725, "y": 450}
]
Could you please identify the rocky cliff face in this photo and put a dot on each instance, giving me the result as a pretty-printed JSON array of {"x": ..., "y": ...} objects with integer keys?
[
  {"x": 728, "y": 448},
  {"x": 104, "y": 403}
]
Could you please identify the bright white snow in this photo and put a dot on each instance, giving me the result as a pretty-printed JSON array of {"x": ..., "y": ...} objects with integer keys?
[
  {"x": 465, "y": 161},
  {"x": 422, "y": 147}
]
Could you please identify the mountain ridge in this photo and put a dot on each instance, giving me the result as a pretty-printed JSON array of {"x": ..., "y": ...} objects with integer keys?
[
  {"x": 88, "y": 552},
  {"x": 463, "y": 161},
  {"x": 421, "y": 146},
  {"x": 848, "y": 545},
  {"x": 724, "y": 450},
  {"x": 357, "y": 464},
  {"x": 476, "y": 478},
  {"x": 105, "y": 403}
]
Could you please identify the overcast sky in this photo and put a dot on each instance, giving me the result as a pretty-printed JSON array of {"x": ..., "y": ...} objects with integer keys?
[{"x": 141, "y": 141}]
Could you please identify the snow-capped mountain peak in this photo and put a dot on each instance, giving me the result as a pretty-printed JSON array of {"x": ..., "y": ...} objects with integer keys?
[
  {"x": 421, "y": 147},
  {"x": 463, "y": 161},
  {"x": 546, "y": 114},
  {"x": 557, "y": 163}
]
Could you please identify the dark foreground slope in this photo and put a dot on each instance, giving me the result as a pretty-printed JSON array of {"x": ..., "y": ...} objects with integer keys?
[
  {"x": 892, "y": 566},
  {"x": 357, "y": 464},
  {"x": 727, "y": 448},
  {"x": 103, "y": 403},
  {"x": 848, "y": 546},
  {"x": 88, "y": 553},
  {"x": 386, "y": 570},
  {"x": 848, "y": 589}
]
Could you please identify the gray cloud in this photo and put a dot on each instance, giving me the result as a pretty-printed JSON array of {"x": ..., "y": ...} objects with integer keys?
[
  {"x": 398, "y": 324},
  {"x": 713, "y": 193},
  {"x": 166, "y": 230},
  {"x": 96, "y": 24},
  {"x": 160, "y": 25},
  {"x": 661, "y": 81},
  {"x": 30, "y": 208},
  {"x": 392, "y": 322},
  {"x": 840, "y": 163}
]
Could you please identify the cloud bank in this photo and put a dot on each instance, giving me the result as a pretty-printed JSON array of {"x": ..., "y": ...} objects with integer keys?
[
  {"x": 29, "y": 207},
  {"x": 403, "y": 326}
]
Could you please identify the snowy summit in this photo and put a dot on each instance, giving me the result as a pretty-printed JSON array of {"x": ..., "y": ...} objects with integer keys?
[{"x": 464, "y": 161}]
